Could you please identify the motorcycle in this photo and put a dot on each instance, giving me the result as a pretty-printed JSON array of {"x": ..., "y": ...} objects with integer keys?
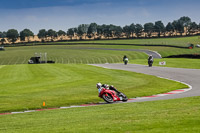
[
  {"x": 125, "y": 61},
  {"x": 111, "y": 96},
  {"x": 150, "y": 62}
]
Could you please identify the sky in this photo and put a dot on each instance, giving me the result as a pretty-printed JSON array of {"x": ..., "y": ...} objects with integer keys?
[{"x": 65, "y": 14}]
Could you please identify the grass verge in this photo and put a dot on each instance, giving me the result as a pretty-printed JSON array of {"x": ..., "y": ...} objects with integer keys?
[
  {"x": 169, "y": 116},
  {"x": 172, "y": 62}
]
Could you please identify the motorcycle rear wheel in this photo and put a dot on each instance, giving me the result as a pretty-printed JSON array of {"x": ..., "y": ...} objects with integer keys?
[
  {"x": 125, "y": 62},
  {"x": 108, "y": 98}
]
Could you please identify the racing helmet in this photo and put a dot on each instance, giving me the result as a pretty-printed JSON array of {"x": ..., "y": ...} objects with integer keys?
[{"x": 98, "y": 85}]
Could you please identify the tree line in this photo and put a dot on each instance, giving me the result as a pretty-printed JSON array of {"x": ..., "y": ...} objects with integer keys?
[{"x": 95, "y": 31}]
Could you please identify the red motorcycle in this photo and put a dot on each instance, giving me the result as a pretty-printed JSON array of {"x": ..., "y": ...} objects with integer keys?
[{"x": 111, "y": 96}]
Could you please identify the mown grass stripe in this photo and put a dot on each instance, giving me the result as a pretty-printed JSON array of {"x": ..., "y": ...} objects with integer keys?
[{"x": 27, "y": 86}]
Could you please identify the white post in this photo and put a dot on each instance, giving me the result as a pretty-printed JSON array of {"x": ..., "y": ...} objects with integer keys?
[{"x": 45, "y": 57}]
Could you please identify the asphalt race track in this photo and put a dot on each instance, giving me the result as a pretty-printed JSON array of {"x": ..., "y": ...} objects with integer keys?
[{"x": 188, "y": 76}]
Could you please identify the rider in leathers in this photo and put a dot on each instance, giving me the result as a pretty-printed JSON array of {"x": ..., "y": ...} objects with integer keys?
[
  {"x": 100, "y": 86},
  {"x": 150, "y": 60}
]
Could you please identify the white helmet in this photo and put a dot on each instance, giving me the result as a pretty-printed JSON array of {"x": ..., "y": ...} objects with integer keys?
[{"x": 98, "y": 85}]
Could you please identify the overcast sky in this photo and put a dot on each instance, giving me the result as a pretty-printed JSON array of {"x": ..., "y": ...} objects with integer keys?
[{"x": 65, "y": 14}]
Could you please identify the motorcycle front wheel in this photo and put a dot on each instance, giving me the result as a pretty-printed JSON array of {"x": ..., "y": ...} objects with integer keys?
[
  {"x": 108, "y": 98},
  {"x": 125, "y": 62},
  {"x": 124, "y": 97}
]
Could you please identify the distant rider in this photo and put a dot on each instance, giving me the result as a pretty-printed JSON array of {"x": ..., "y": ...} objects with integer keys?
[
  {"x": 125, "y": 59},
  {"x": 150, "y": 60}
]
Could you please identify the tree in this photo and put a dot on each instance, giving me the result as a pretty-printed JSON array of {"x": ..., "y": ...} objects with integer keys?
[
  {"x": 82, "y": 29},
  {"x": 138, "y": 29},
  {"x": 127, "y": 31},
  {"x": 178, "y": 26},
  {"x": 2, "y": 34},
  {"x": 132, "y": 29},
  {"x": 184, "y": 22},
  {"x": 12, "y": 35},
  {"x": 170, "y": 28},
  {"x": 193, "y": 27},
  {"x": 70, "y": 33},
  {"x": 159, "y": 27},
  {"x": 92, "y": 30},
  {"x": 99, "y": 31},
  {"x": 42, "y": 34},
  {"x": 149, "y": 28},
  {"x": 26, "y": 33},
  {"x": 107, "y": 30},
  {"x": 75, "y": 30},
  {"x": 117, "y": 31},
  {"x": 52, "y": 34},
  {"x": 199, "y": 26},
  {"x": 61, "y": 33}
]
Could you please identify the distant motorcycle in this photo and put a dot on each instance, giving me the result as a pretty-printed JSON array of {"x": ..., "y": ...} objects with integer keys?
[
  {"x": 125, "y": 61},
  {"x": 111, "y": 96},
  {"x": 150, "y": 62}
]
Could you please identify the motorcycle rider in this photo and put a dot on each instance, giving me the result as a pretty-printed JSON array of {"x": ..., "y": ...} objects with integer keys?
[
  {"x": 100, "y": 86},
  {"x": 150, "y": 60},
  {"x": 125, "y": 59}
]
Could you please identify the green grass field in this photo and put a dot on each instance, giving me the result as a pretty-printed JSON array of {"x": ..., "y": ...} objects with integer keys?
[
  {"x": 71, "y": 82},
  {"x": 65, "y": 55},
  {"x": 25, "y": 87},
  {"x": 83, "y": 54},
  {"x": 167, "y": 116}
]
